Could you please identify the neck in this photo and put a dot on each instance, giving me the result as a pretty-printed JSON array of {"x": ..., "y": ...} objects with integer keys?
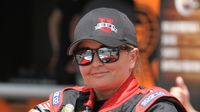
[{"x": 106, "y": 94}]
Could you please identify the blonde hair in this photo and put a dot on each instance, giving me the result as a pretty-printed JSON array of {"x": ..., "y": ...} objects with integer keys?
[{"x": 136, "y": 69}]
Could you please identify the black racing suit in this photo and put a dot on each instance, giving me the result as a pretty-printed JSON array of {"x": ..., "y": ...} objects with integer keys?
[{"x": 129, "y": 98}]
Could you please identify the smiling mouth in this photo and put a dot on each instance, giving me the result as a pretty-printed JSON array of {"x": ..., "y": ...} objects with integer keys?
[{"x": 99, "y": 74}]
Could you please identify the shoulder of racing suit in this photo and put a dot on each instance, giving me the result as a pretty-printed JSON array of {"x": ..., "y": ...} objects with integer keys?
[{"x": 66, "y": 100}]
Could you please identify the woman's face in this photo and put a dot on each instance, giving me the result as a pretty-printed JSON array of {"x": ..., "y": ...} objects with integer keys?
[{"x": 106, "y": 76}]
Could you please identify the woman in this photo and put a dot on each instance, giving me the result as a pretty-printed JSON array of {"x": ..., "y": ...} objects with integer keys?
[{"x": 105, "y": 49}]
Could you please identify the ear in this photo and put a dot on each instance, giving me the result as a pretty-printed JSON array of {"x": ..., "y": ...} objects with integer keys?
[{"x": 134, "y": 57}]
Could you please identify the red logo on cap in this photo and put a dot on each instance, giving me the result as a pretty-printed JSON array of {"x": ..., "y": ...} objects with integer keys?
[{"x": 105, "y": 25}]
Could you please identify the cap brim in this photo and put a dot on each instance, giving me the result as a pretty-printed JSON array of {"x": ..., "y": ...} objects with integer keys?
[{"x": 107, "y": 41}]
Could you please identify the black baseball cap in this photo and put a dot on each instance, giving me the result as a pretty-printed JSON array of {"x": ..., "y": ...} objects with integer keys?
[{"x": 107, "y": 26}]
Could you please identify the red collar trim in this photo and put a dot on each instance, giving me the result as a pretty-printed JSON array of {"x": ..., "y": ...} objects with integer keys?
[{"x": 126, "y": 91}]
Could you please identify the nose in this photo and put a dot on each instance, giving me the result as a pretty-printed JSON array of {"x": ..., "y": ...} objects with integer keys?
[{"x": 96, "y": 61}]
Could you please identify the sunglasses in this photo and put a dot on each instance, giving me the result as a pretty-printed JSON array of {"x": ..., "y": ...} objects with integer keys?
[{"x": 85, "y": 57}]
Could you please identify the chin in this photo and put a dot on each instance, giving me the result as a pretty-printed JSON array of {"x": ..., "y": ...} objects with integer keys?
[{"x": 101, "y": 86}]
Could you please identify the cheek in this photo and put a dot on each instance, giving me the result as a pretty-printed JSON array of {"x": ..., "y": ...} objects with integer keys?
[
  {"x": 84, "y": 71},
  {"x": 124, "y": 63},
  {"x": 119, "y": 67}
]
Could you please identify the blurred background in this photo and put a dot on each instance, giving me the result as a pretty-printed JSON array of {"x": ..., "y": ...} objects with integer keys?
[{"x": 35, "y": 36}]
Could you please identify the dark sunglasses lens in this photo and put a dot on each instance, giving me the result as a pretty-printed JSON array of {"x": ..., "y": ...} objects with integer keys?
[
  {"x": 108, "y": 55},
  {"x": 84, "y": 57}
]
